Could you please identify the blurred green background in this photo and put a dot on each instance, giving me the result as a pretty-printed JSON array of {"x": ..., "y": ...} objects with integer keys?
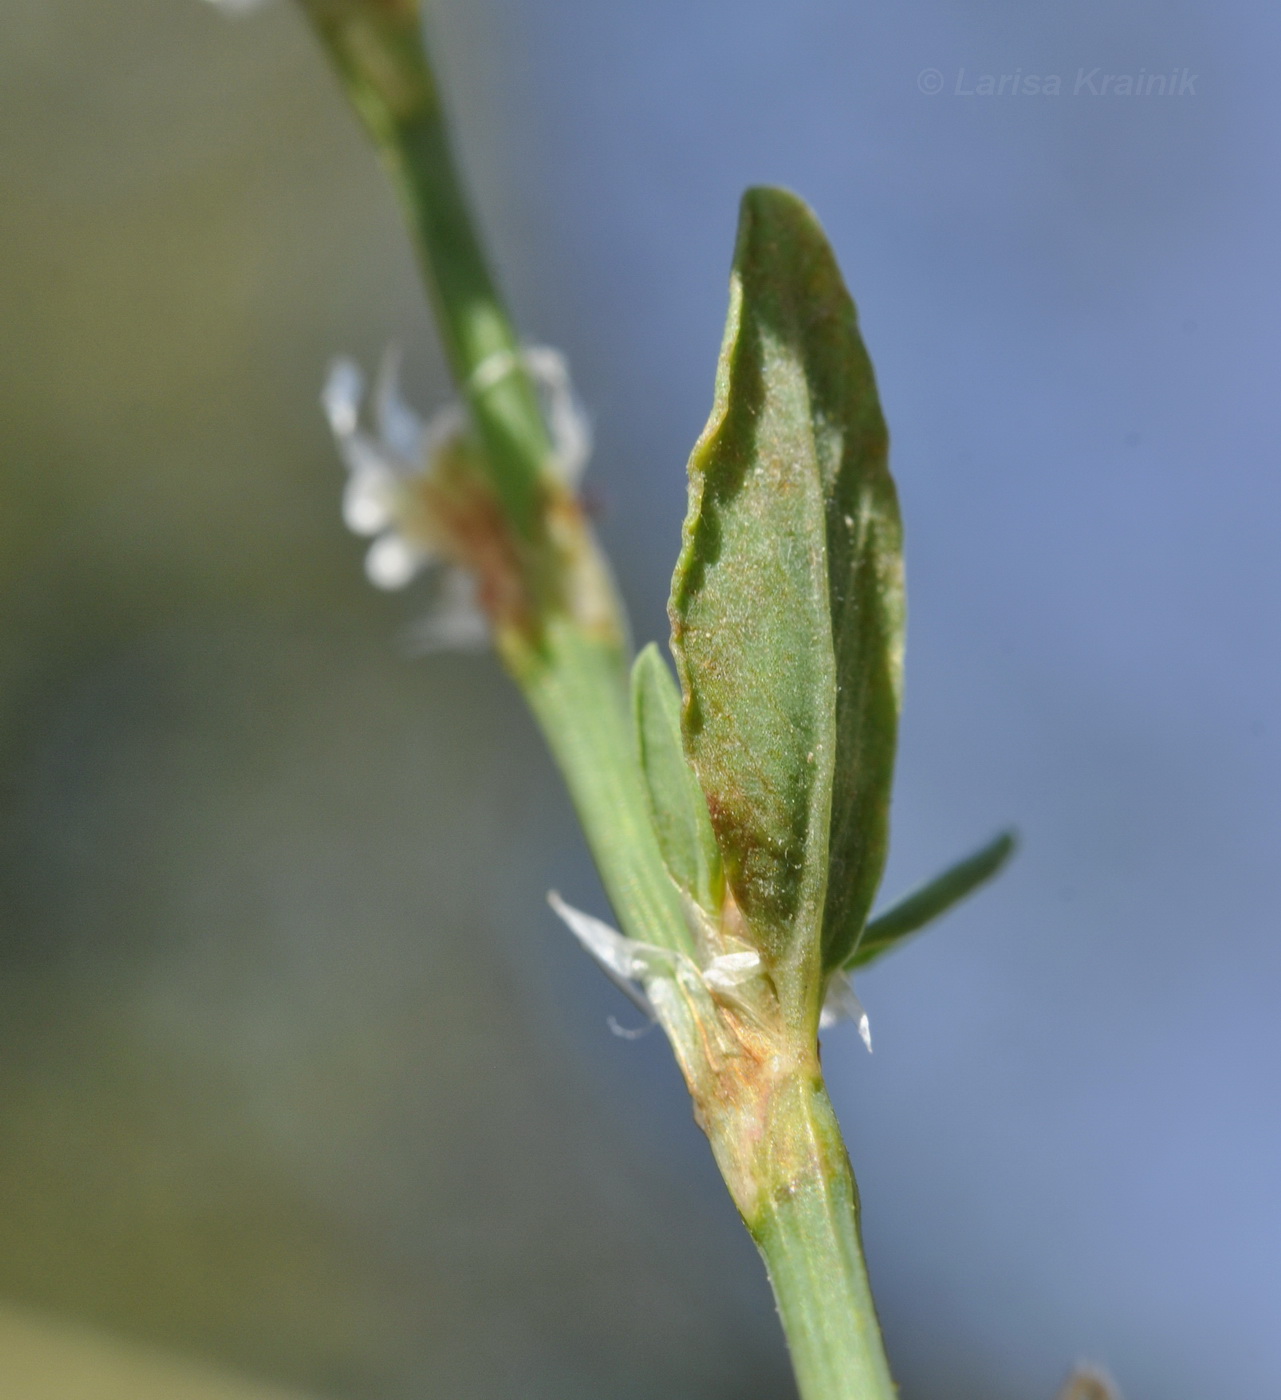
[{"x": 284, "y": 1079}]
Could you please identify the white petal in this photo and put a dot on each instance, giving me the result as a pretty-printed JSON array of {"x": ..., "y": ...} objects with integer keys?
[
  {"x": 362, "y": 453},
  {"x": 731, "y": 970},
  {"x": 615, "y": 952},
  {"x": 842, "y": 1004},
  {"x": 450, "y": 632},
  {"x": 628, "y": 1032},
  {"x": 455, "y": 623},
  {"x": 398, "y": 425},
  {"x": 447, "y": 422},
  {"x": 369, "y": 502},
  {"x": 621, "y": 959},
  {"x": 392, "y": 561},
  {"x": 567, "y": 424},
  {"x": 340, "y": 398}
]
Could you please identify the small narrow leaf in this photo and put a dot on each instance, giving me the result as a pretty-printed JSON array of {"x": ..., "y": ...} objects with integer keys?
[
  {"x": 932, "y": 900},
  {"x": 787, "y": 606},
  {"x": 677, "y": 804}
]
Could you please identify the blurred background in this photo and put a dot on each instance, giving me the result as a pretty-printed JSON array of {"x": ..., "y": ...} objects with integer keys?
[{"x": 298, "y": 1077}]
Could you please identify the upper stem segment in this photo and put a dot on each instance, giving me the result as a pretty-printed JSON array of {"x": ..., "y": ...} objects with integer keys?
[{"x": 379, "y": 49}]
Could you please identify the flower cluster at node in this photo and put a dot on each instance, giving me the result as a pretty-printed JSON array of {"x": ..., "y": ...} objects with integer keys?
[
  {"x": 628, "y": 964},
  {"x": 390, "y": 471}
]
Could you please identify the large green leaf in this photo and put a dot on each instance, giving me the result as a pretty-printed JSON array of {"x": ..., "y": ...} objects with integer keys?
[{"x": 787, "y": 603}]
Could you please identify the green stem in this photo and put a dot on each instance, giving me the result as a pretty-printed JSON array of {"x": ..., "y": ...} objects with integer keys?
[
  {"x": 479, "y": 339},
  {"x": 380, "y": 52},
  {"x": 572, "y": 670},
  {"x": 576, "y": 685},
  {"x": 807, "y": 1229},
  {"x": 573, "y": 675}
]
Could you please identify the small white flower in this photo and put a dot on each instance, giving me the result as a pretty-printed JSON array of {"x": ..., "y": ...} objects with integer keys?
[
  {"x": 624, "y": 961},
  {"x": 729, "y": 971},
  {"x": 628, "y": 964},
  {"x": 379, "y": 501},
  {"x": 388, "y": 467},
  {"x": 455, "y": 622},
  {"x": 567, "y": 424}
]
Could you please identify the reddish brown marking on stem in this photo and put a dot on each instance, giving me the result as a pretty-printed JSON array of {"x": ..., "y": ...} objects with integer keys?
[{"x": 474, "y": 531}]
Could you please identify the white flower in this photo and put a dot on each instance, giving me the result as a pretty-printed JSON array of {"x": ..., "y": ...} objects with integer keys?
[
  {"x": 387, "y": 469},
  {"x": 567, "y": 425},
  {"x": 727, "y": 973},
  {"x": 628, "y": 964},
  {"x": 379, "y": 500},
  {"x": 456, "y": 621},
  {"x": 623, "y": 960}
]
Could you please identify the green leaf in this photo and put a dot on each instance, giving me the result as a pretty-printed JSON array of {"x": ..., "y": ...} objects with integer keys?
[
  {"x": 676, "y": 801},
  {"x": 931, "y": 900},
  {"x": 787, "y": 602}
]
